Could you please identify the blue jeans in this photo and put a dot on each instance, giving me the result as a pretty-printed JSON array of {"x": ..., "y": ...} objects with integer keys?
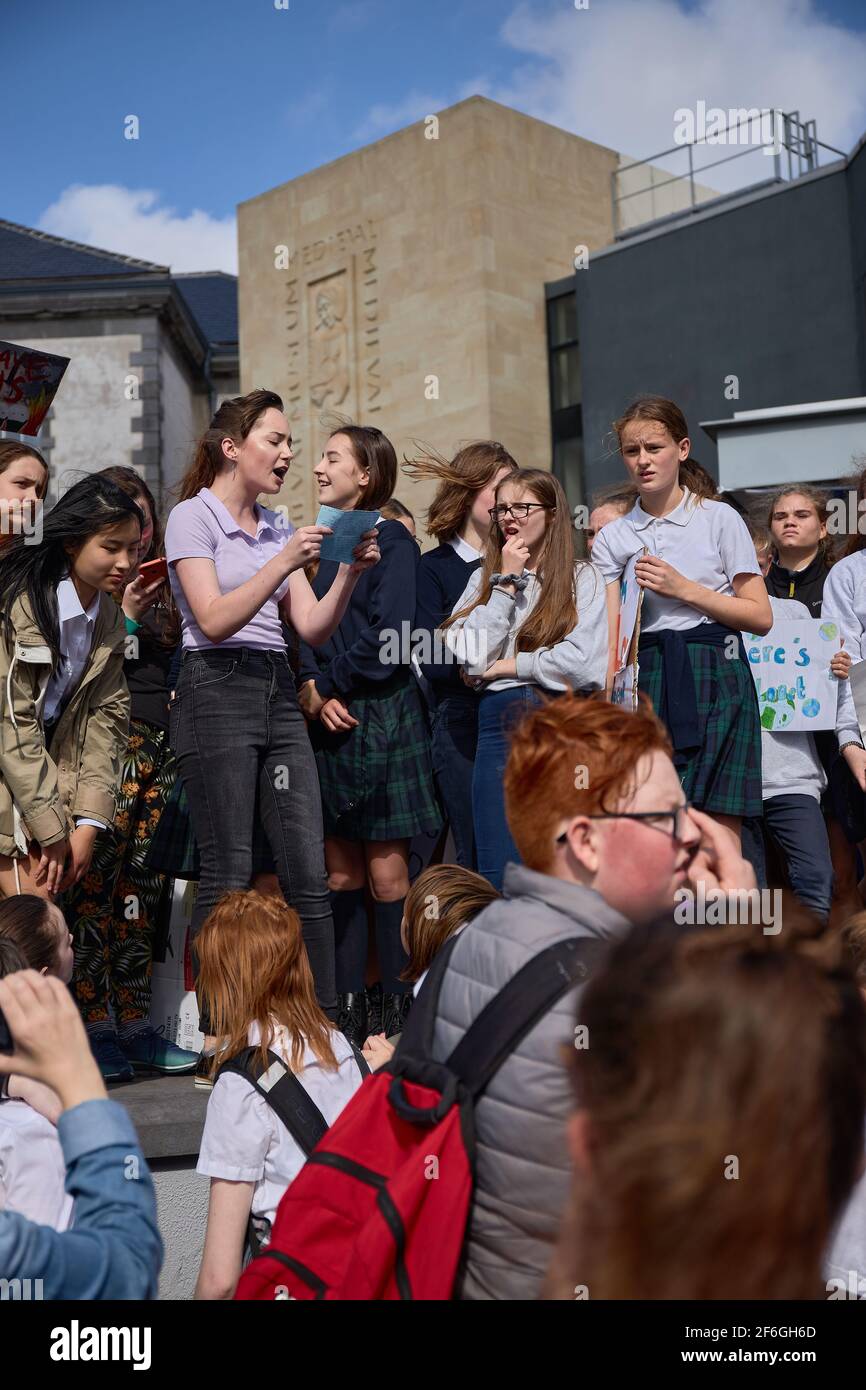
[
  {"x": 498, "y": 712},
  {"x": 243, "y": 752},
  {"x": 453, "y": 747},
  {"x": 797, "y": 826}
]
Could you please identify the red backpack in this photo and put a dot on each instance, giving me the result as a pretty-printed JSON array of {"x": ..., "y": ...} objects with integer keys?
[{"x": 379, "y": 1210}]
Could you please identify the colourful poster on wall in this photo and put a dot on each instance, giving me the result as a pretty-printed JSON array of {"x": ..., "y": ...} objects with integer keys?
[
  {"x": 791, "y": 669},
  {"x": 29, "y": 380}
]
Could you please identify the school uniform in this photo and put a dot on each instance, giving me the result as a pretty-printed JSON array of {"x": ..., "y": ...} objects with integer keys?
[
  {"x": 706, "y": 699},
  {"x": 577, "y": 662},
  {"x": 376, "y": 779},
  {"x": 793, "y": 781},
  {"x": 443, "y": 574},
  {"x": 244, "y": 1141}
]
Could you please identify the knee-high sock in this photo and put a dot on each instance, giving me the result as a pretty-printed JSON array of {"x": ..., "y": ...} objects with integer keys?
[
  {"x": 392, "y": 957},
  {"x": 350, "y": 939}
]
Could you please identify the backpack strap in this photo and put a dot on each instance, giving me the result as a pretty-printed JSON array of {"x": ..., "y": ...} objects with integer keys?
[
  {"x": 282, "y": 1090},
  {"x": 497, "y": 1031},
  {"x": 512, "y": 1013}
]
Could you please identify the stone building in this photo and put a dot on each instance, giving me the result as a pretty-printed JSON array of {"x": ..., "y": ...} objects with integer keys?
[
  {"x": 403, "y": 285},
  {"x": 151, "y": 353}
]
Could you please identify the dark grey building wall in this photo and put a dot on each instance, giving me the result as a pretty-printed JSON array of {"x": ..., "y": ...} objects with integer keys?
[{"x": 763, "y": 290}]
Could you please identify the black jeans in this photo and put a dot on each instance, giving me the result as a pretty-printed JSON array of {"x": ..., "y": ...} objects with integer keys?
[
  {"x": 244, "y": 754},
  {"x": 453, "y": 747}
]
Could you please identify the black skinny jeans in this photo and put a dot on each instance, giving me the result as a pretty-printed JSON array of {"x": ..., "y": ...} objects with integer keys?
[{"x": 244, "y": 755}]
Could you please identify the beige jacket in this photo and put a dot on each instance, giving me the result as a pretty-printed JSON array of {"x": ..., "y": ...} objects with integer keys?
[{"x": 43, "y": 790}]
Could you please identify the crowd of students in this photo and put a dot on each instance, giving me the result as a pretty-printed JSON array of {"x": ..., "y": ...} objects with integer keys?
[{"x": 244, "y": 710}]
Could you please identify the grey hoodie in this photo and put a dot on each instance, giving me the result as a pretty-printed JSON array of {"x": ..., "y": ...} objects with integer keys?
[{"x": 523, "y": 1165}]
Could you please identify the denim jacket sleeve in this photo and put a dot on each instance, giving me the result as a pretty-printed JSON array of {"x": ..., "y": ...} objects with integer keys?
[{"x": 114, "y": 1249}]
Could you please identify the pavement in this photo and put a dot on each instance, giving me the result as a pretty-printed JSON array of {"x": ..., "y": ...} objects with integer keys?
[{"x": 167, "y": 1111}]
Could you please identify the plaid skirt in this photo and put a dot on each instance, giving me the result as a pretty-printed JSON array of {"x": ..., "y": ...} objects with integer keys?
[
  {"x": 377, "y": 779},
  {"x": 723, "y": 776}
]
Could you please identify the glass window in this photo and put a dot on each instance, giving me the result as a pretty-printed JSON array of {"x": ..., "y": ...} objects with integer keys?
[
  {"x": 565, "y": 365},
  {"x": 562, "y": 319}
]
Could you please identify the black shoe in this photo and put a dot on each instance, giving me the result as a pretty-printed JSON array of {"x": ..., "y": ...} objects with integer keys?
[
  {"x": 352, "y": 1017},
  {"x": 374, "y": 1008},
  {"x": 395, "y": 1011}
]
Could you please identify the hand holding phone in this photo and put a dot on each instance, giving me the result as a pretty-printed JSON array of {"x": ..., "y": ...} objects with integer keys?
[{"x": 153, "y": 571}]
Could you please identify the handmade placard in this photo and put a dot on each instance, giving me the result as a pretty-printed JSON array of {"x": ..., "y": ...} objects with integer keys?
[
  {"x": 790, "y": 666},
  {"x": 29, "y": 380}
]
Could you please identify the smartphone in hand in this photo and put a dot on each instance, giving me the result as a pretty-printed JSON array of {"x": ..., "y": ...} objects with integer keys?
[{"x": 153, "y": 570}]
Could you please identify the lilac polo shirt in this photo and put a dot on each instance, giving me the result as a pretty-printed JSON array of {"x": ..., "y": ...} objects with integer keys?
[{"x": 203, "y": 528}]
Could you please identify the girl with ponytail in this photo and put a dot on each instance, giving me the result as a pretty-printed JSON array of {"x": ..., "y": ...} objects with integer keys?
[
  {"x": 702, "y": 585},
  {"x": 239, "y": 738}
]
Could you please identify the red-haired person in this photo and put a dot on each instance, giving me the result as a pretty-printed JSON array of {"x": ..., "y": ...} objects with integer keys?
[
  {"x": 702, "y": 587},
  {"x": 459, "y": 519},
  {"x": 258, "y": 991},
  {"x": 606, "y": 838}
]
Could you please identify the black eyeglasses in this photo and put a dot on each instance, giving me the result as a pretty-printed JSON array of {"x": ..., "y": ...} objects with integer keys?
[
  {"x": 675, "y": 817},
  {"x": 519, "y": 510}
]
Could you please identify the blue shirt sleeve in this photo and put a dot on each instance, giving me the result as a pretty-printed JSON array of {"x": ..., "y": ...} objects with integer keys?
[
  {"x": 390, "y": 604},
  {"x": 114, "y": 1249}
]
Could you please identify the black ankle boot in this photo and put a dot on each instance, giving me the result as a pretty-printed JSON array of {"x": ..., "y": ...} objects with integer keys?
[
  {"x": 352, "y": 1017},
  {"x": 374, "y": 1008},
  {"x": 395, "y": 1011}
]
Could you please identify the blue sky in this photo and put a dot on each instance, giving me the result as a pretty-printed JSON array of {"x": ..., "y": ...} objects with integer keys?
[{"x": 236, "y": 96}]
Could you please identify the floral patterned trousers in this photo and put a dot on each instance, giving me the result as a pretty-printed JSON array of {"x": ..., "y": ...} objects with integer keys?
[{"x": 115, "y": 909}]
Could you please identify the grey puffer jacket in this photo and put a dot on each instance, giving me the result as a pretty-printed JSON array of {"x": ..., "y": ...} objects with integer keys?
[{"x": 523, "y": 1166}]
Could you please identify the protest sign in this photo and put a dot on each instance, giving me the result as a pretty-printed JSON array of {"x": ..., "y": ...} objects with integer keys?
[
  {"x": 625, "y": 682},
  {"x": 790, "y": 666},
  {"x": 857, "y": 677},
  {"x": 28, "y": 384}
]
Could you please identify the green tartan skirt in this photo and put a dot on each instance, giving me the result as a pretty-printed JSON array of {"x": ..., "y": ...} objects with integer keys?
[
  {"x": 723, "y": 776},
  {"x": 377, "y": 779}
]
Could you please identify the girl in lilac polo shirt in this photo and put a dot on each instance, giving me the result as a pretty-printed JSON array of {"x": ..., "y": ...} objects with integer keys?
[{"x": 241, "y": 743}]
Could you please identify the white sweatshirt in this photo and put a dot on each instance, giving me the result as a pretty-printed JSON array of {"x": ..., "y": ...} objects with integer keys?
[
  {"x": 488, "y": 634},
  {"x": 844, "y": 603}
]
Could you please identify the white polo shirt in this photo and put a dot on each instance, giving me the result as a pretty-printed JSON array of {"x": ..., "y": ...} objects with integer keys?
[
  {"x": 707, "y": 542},
  {"x": 243, "y": 1141},
  {"x": 32, "y": 1167}
]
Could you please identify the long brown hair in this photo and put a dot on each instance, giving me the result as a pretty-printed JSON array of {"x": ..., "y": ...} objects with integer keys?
[
  {"x": 663, "y": 412},
  {"x": 10, "y": 451},
  {"x": 254, "y": 969},
  {"x": 135, "y": 487},
  {"x": 722, "y": 1082},
  {"x": 471, "y": 470},
  {"x": 24, "y": 921},
  {"x": 819, "y": 501},
  {"x": 555, "y": 613},
  {"x": 233, "y": 420},
  {"x": 442, "y": 898}
]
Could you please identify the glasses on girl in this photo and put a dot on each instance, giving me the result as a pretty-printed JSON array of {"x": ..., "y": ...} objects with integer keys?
[{"x": 519, "y": 510}]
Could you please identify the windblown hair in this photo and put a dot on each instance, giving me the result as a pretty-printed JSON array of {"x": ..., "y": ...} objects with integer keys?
[
  {"x": 471, "y": 470},
  {"x": 819, "y": 501},
  {"x": 233, "y": 420},
  {"x": 555, "y": 613},
  {"x": 540, "y": 784},
  {"x": 723, "y": 1093},
  {"x": 10, "y": 451},
  {"x": 255, "y": 969},
  {"x": 25, "y": 922},
  {"x": 442, "y": 898},
  {"x": 90, "y": 508},
  {"x": 663, "y": 412}
]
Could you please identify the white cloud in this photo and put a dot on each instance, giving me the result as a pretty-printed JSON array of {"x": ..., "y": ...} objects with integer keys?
[
  {"x": 132, "y": 222},
  {"x": 617, "y": 72}
]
